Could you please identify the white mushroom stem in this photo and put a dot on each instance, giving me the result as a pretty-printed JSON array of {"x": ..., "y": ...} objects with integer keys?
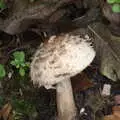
[{"x": 65, "y": 101}]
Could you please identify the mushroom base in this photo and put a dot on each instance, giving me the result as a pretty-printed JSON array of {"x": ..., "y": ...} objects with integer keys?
[{"x": 65, "y": 101}]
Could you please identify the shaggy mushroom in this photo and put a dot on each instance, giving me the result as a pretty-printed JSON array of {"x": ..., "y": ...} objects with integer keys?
[{"x": 55, "y": 62}]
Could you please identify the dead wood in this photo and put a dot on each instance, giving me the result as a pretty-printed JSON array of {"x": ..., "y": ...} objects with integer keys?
[{"x": 23, "y": 12}]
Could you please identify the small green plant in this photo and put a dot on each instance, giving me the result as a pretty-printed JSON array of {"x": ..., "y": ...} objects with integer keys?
[
  {"x": 19, "y": 62},
  {"x": 2, "y": 4},
  {"x": 2, "y": 71},
  {"x": 116, "y": 8},
  {"x": 21, "y": 108},
  {"x": 115, "y": 5}
]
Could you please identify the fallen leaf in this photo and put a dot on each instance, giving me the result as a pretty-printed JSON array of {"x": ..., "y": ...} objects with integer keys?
[
  {"x": 111, "y": 117},
  {"x": 5, "y": 112},
  {"x": 81, "y": 82},
  {"x": 116, "y": 111},
  {"x": 115, "y": 115}
]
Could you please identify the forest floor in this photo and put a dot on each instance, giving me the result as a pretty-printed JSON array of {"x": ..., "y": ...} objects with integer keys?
[{"x": 21, "y": 100}]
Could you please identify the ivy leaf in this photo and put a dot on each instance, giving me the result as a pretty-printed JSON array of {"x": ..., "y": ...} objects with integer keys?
[
  {"x": 2, "y": 71},
  {"x": 23, "y": 65},
  {"x": 15, "y": 63},
  {"x": 20, "y": 56},
  {"x": 22, "y": 72},
  {"x": 116, "y": 8}
]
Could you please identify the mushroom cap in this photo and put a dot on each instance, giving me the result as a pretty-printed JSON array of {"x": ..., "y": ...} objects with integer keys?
[{"x": 60, "y": 58}]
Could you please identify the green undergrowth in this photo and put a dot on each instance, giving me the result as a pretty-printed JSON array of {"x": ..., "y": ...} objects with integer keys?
[{"x": 17, "y": 88}]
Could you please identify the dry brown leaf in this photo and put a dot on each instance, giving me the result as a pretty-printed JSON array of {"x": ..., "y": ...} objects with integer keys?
[
  {"x": 10, "y": 117},
  {"x": 0, "y": 114},
  {"x": 5, "y": 112},
  {"x": 115, "y": 115},
  {"x": 116, "y": 111},
  {"x": 111, "y": 117},
  {"x": 81, "y": 82}
]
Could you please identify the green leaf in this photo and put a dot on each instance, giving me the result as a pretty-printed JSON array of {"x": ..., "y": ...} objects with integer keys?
[
  {"x": 117, "y": 1},
  {"x": 27, "y": 64},
  {"x": 116, "y": 8},
  {"x": 111, "y": 1},
  {"x": 17, "y": 66},
  {"x": 2, "y": 71},
  {"x": 2, "y": 4},
  {"x": 22, "y": 72},
  {"x": 20, "y": 56},
  {"x": 13, "y": 63},
  {"x": 23, "y": 64}
]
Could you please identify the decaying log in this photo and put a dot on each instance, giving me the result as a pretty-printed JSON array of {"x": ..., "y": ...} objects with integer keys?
[{"x": 23, "y": 12}]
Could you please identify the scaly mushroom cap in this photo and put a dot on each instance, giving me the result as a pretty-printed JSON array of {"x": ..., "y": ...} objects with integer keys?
[{"x": 60, "y": 58}]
